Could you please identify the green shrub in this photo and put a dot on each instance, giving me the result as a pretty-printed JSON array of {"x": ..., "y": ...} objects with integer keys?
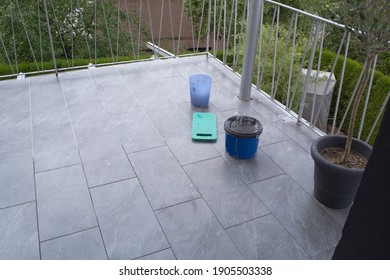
[
  {"x": 379, "y": 90},
  {"x": 27, "y": 67},
  {"x": 383, "y": 63},
  {"x": 266, "y": 82}
]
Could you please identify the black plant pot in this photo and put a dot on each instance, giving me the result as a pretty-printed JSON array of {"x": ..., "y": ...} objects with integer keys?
[{"x": 335, "y": 186}]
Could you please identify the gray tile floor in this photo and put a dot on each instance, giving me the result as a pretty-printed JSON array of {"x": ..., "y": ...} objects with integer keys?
[{"x": 99, "y": 164}]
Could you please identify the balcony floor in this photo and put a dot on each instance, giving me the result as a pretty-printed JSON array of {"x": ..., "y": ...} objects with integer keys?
[{"x": 100, "y": 164}]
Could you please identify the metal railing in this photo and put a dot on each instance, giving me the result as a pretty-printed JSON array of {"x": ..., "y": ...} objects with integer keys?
[
  {"x": 291, "y": 42},
  {"x": 50, "y": 36}
]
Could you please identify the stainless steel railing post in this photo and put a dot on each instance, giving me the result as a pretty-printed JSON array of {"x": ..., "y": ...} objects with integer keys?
[
  {"x": 50, "y": 37},
  {"x": 250, "y": 48}
]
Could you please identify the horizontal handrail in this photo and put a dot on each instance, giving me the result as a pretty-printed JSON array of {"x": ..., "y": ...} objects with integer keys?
[{"x": 306, "y": 14}]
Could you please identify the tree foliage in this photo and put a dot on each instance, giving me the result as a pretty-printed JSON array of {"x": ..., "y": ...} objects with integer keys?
[
  {"x": 370, "y": 21},
  {"x": 77, "y": 26}
]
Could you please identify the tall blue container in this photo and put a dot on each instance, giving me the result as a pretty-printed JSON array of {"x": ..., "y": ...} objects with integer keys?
[
  {"x": 200, "y": 86},
  {"x": 242, "y": 136}
]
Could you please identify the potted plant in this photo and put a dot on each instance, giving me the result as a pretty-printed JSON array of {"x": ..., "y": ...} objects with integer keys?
[{"x": 336, "y": 174}]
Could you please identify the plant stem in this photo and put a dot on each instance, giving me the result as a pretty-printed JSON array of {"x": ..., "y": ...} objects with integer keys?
[{"x": 363, "y": 85}]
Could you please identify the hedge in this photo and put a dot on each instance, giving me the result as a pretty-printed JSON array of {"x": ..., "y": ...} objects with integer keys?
[
  {"x": 379, "y": 90},
  {"x": 27, "y": 67}
]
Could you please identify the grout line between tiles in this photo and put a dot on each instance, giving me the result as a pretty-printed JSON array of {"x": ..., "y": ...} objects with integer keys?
[
  {"x": 36, "y": 210},
  {"x": 149, "y": 149},
  {"x": 113, "y": 182},
  {"x": 146, "y": 149},
  {"x": 16, "y": 205},
  {"x": 151, "y": 208},
  {"x": 31, "y": 119},
  {"x": 215, "y": 216},
  {"x": 103, "y": 105},
  {"x": 155, "y": 253},
  {"x": 68, "y": 234},
  {"x": 176, "y": 204},
  {"x": 70, "y": 118},
  {"x": 314, "y": 257},
  {"x": 142, "y": 108},
  {"x": 285, "y": 174},
  {"x": 250, "y": 220},
  {"x": 57, "y": 168},
  {"x": 310, "y": 194},
  {"x": 94, "y": 209},
  {"x": 202, "y": 160},
  {"x": 264, "y": 179},
  {"x": 247, "y": 185},
  {"x": 238, "y": 250},
  {"x": 139, "y": 103}
]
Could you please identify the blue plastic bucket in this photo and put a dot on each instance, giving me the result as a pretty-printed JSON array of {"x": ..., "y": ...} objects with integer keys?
[
  {"x": 200, "y": 86},
  {"x": 242, "y": 136}
]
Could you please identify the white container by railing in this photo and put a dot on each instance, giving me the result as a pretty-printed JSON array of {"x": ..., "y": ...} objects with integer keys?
[{"x": 315, "y": 93}]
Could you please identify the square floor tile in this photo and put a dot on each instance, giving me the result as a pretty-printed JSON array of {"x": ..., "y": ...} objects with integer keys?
[
  {"x": 169, "y": 120},
  {"x": 162, "y": 71},
  {"x": 211, "y": 64},
  {"x": 340, "y": 215},
  {"x": 302, "y": 135},
  {"x": 230, "y": 199},
  {"x": 129, "y": 227},
  {"x": 299, "y": 213},
  {"x": 161, "y": 255},
  {"x": 48, "y": 104},
  {"x": 102, "y": 76},
  {"x": 188, "y": 151},
  {"x": 265, "y": 239},
  {"x": 163, "y": 179},
  {"x": 137, "y": 80},
  {"x": 79, "y": 89},
  {"x": 194, "y": 232},
  {"x": 15, "y": 96},
  {"x": 107, "y": 169},
  {"x": 117, "y": 98},
  {"x": 224, "y": 98},
  {"x": 188, "y": 70},
  {"x": 19, "y": 233},
  {"x": 258, "y": 168},
  {"x": 54, "y": 146},
  {"x": 136, "y": 131},
  {"x": 268, "y": 109},
  {"x": 74, "y": 75},
  {"x": 327, "y": 255},
  {"x": 16, "y": 178},
  {"x": 171, "y": 84},
  {"x": 104, "y": 160},
  {"x": 64, "y": 203},
  {"x": 89, "y": 120},
  {"x": 287, "y": 152},
  {"x": 84, "y": 245},
  {"x": 15, "y": 132},
  {"x": 228, "y": 78}
]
